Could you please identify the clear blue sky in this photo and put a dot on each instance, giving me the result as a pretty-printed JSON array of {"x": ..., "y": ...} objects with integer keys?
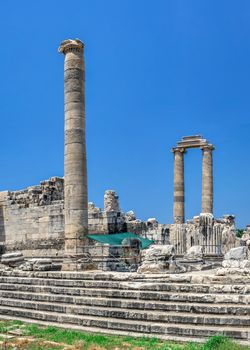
[{"x": 155, "y": 71}]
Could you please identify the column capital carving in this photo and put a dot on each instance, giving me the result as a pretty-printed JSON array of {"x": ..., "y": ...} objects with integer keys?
[
  {"x": 179, "y": 149},
  {"x": 208, "y": 147},
  {"x": 71, "y": 45}
]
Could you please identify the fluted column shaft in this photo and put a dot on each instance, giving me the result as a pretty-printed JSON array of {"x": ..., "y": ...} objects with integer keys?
[
  {"x": 207, "y": 179},
  {"x": 179, "y": 197},
  {"x": 75, "y": 164}
]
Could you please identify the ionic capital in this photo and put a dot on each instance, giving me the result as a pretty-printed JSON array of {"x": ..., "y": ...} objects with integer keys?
[
  {"x": 208, "y": 147},
  {"x": 178, "y": 149},
  {"x": 71, "y": 45}
]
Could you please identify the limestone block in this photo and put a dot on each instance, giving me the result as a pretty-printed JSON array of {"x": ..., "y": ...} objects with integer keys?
[
  {"x": 45, "y": 261},
  {"x": 42, "y": 267},
  {"x": 231, "y": 263},
  {"x": 130, "y": 216},
  {"x": 3, "y": 196},
  {"x": 152, "y": 222},
  {"x": 194, "y": 253},
  {"x": 37, "y": 265},
  {"x": 245, "y": 237},
  {"x": 174, "y": 267},
  {"x": 248, "y": 246},
  {"x": 239, "y": 253},
  {"x": 156, "y": 259},
  {"x": 244, "y": 264},
  {"x": 12, "y": 259},
  {"x": 233, "y": 271},
  {"x": 111, "y": 201},
  {"x": 9, "y": 256},
  {"x": 158, "y": 252},
  {"x": 26, "y": 266},
  {"x": 153, "y": 267}
]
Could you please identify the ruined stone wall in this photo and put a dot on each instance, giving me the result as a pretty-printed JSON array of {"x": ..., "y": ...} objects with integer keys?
[
  {"x": 112, "y": 220},
  {"x": 216, "y": 236},
  {"x": 32, "y": 220}
]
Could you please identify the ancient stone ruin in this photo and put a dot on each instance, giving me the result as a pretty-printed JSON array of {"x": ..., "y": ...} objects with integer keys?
[
  {"x": 52, "y": 220},
  {"x": 32, "y": 220},
  {"x": 191, "y": 283},
  {"x": 216, "y": 236},
  {"x": 187, "y": 142}
]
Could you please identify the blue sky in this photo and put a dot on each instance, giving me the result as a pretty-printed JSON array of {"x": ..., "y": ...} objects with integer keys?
[{"x": 155, "y": 71}]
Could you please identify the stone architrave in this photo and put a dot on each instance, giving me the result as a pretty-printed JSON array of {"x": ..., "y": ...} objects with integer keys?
[
  {"x": 179, "y": 199},
  {"x": 207, "y": 179},
  {"x": 75, "y": 163}
]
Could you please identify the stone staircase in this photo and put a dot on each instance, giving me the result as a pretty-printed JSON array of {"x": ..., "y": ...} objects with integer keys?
[{"x": 177, "y": 307}]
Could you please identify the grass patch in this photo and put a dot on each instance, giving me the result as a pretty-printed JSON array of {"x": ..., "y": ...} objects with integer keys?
[
  {"x": 220, "y": 342},
  {"x": 38, "y": 337}
]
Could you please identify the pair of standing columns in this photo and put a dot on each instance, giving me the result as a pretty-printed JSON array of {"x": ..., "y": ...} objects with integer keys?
[{"x": 179, "y": 188}]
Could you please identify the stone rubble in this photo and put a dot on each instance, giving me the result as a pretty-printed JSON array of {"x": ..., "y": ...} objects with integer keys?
[
  {"x": 32, "y": 220},
  {"x": 130, "y": 216},
  {"x": 111, "y": 201},
  {"x": 217, "y": 236},
  {"x": 239, "y": 253},
  {"x": 37, "y": 265},
  {"x": 236, "y": 261},
  {"x": 156, "y": 259},
  {"x": 44, "y": 194},
  {"x": 195, "y": 253},
  {"x": 16, "y": 261},
  {"x": 12, "y": 259}
]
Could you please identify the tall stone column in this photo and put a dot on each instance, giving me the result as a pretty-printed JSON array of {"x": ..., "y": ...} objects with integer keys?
[
  {"x": 75, "y": 163},
  {"x": 179, "y": 199},
  {"x": 207, "y": 179}
]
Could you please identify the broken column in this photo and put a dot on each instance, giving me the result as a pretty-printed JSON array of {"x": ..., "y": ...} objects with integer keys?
[
  {"x": 179, "y": 217},
  {"x": 75, "y": 164},
  {"x": 207, "y": 179}
]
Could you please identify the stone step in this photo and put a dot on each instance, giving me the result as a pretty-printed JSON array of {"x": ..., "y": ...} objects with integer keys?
[
  {"x": 132, "y": 294},
  {"x": 195, "y": 308},
  {"x": 102, "y": 276},
  {"x": 114, "y": 276},
  {"x": 111, "y": 312},
  {"x": 129, "y": 325},
  {"x": 128, "y": 285},
  {"x": 98, "y": 330}
]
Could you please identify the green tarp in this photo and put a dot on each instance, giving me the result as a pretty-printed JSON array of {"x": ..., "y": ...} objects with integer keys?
[{"x": 116, "y": 239}]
